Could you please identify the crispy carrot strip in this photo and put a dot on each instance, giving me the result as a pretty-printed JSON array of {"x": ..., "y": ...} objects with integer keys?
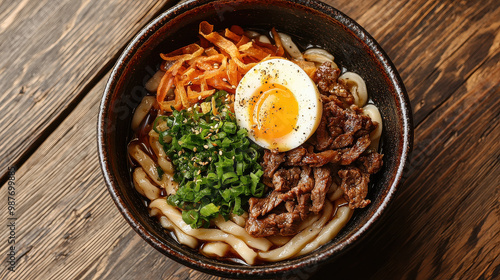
[
  {"x": 218, "y": 83},
  {"x": 232, "y": 73},
  {"x": 206, "y": 30},
  {"x": 277, "y": 40},
  {"x": 194, "y": 96},
  {"x": 231, "y": 35},
  {"x": 252, "y": 51},
  {"x": 181, "y": 92},
  {"x": 185, "y": 53},
  {"x": 243, "y": 40},
  {"x": 211, "y": 51},
  {"x": 166, "y": 83}
]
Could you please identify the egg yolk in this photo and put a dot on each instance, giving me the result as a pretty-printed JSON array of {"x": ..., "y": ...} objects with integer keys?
[{"x": 273, "y": 111}]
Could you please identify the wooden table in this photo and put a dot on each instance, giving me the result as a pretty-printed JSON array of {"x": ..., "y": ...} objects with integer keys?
[{"x": 55, "y": 57}]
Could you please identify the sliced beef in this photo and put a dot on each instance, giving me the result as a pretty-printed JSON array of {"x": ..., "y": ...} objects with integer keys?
[
  {"x": 303, "y": 206},
  {"x": 323, "y": 138},
  {"x": 322, "y": 181},
  {"x": 355, "y": 186},
  {"x": 326, "y": 77},
  {"x": 322, "y": 158},
  {"x": 305, "y": 185},
  {"x": 262, "y": 206},
  {"x": 284, "y": 224},
  {"x": 340, "y": 127},
  {"x": 294, "y": 157},
  {"x": 371, "y": 163},
  {"x": 353, "y": 153},
  {"x": 271, "y": 161},
  {"x": 301, "y": 157},
  {"x": 284, "y": 179},
  {"x": 297, "y": 203}
]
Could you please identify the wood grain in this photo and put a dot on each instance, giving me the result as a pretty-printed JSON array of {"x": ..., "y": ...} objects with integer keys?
[
  {"x": 51, "y": 53},
  {"x": 443, "y": 224}
]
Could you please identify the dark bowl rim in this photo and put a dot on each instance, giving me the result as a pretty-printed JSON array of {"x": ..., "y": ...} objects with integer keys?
[{"x": 259, "y": 271}]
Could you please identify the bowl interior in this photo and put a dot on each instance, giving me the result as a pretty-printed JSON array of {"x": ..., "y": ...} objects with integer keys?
[{"x": 353, "y": 49}]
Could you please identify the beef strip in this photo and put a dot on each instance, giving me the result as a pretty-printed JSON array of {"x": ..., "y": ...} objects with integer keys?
[
  {"x": 371, "y": 163},
  {"x": 322, "y": 181},
  {"x": 284, "y": 179},
  {"x": 339, "y": 128},
  {"x": 301, "y": 157},
  {"x": 353, "y": 153},
  {"x": 322, "y": 158},
  {"x": 305, "y": 185},
  {"x": 271, "y": 161},
  {"x": 355, "y": 186},
  {"x": 262, "y": 206},
  {"x": 304, "y": 205},
  {"x": 284, "y": 224},
  {"x": 297, "y": 204},
  {"x": 323, "y": 138},
  {"x": 326, "y": 77},
  {"x": 294, "y": 157}
]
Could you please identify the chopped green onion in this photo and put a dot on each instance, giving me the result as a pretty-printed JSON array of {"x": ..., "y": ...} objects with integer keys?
[{"x": 216, "y": 164}]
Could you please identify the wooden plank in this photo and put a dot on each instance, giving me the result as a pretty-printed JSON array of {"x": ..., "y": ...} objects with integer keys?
[
  {"x": 69, "y": 227},
  {"x": 51, "y": 53}
]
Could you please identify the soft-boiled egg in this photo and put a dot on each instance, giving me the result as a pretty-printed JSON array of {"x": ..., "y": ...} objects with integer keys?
[{"x": 278, "y": 104}]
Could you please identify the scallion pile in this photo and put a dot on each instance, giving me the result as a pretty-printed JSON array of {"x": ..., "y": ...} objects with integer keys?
[{"x": 215, "y": 163}]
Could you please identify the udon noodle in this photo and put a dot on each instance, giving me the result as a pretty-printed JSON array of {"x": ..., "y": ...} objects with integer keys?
[{"x": 229, "y": 239}]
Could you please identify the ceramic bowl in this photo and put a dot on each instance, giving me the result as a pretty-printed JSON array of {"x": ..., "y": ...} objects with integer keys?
[{"x": 310, "y": 23}]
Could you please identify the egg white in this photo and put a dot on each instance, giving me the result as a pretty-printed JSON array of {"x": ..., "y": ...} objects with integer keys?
[{"x": 290, "y": 75}]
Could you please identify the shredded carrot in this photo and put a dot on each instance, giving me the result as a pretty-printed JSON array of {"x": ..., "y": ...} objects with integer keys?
[
  {"x": 277, "y": 40},
  {"x": 231, "y": 35},
  {"x": 218, "y": 62}
]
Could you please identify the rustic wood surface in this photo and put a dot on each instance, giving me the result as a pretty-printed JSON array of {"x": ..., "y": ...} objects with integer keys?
[
  {"x": 443, "y": 224},
  {"x": 52, "y": 53}
]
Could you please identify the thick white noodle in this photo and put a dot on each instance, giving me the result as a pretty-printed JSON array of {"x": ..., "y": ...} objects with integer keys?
[
  {"x": 336, "y": 194},
  {"x": 245, "y": 252},
  {"x": 319, "y": 56},
  {"x": 239, "y": 220},
  {"x": 328, "y": 232},
  {"x": 215, "y": 249},
  {"x": 309, "y": 221},
  {"x": 300, "y": 240},
  {"x": 153, "y": 83},
  {"x": 163, "y": 161},
  {"x": 290, "y": 46},
  {"x": 142, "y": 110},
  {"x": 144, "y": 186},
  {"x": 356, "y": 86},
  {"x": 279, "y": 240},
  {"x": 232, "y": 228},
  {"x": 181, "y": 236},
  {"x": 372, "y": 111},
  {"x": 166, "y": 182}
]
